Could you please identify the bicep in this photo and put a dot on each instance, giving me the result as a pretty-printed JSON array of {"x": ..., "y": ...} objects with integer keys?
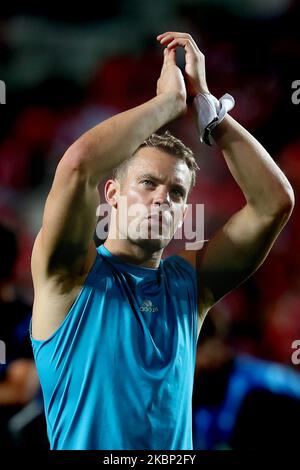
[
  {"x": 69, "y": 219},
  {"x": 235, "y": 252}
]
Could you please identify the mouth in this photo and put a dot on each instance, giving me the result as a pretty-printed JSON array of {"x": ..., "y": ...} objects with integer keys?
[
  {"x": 156, "y": 225},
  {"x": 160, "y": 221},
  {"x": 157, "y": 216}
]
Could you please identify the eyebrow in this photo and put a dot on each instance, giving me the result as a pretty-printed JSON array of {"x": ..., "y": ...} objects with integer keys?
[{"x": 159, "y": 180}]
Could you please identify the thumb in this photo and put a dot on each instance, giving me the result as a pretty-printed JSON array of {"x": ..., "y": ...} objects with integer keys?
[
  {"x": 171, "y": 56},
  {"x": 165, "y": 56}
]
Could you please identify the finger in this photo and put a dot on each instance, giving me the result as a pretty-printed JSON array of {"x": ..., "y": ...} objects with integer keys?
[
  {"x": 181, "y": 42},
  {"x": 162, "y": 34},
  {"x": 166, "y": 58},
  {"x": 171, "y": 54},
  {"x": 166, "y": 38},
  {"x": 176, "y": 42},
  {"x": 166, "y": 55},
  {"x": 171, "y": 35}
]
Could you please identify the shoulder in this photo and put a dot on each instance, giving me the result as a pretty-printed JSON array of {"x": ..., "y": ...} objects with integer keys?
[
  {"x": 182, "y": 266},
  {"x": 192, "y": 260}
]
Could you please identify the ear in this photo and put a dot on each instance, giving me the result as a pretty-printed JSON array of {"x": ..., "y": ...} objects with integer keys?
[
  {"x": 184, "y": 212},
  {"x": 111, "y": 192}
]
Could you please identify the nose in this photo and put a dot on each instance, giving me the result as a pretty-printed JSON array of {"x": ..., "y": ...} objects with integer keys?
[{"x": 161, "y": 196}]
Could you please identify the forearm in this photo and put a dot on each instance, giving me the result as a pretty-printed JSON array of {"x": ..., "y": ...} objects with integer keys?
[
  {"x": 264, "y": 185},
  {"x": 105, "y": 146}
]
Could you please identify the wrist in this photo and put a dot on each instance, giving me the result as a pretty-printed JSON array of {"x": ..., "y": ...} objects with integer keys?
[
  {"x": 175, "y": 103},
  {"x": 204, "y": 90},
  {"x": 210, "y": 113}
]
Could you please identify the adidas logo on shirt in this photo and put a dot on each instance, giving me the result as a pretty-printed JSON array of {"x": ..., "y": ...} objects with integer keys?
[{"x": 148, "y": 306}]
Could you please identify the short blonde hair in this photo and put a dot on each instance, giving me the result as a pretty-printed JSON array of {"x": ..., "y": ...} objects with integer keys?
[{"x": 169, "y": 144}]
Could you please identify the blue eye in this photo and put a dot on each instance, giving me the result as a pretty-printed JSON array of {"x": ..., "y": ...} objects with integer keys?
[{"x": 147, "y": 182}]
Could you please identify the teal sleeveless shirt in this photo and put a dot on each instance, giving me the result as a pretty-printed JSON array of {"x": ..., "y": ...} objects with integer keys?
[{"x": 118, "y": 372}]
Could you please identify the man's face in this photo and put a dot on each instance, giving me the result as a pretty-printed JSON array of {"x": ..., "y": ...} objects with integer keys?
[{"x": 152, "y": 198}]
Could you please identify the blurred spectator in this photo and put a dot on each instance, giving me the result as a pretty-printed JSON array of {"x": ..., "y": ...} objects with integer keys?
[
  {"x": 241, "y": 402},
  {"x": 18, "y": 379},
  {"x": 282, "y": 324}
]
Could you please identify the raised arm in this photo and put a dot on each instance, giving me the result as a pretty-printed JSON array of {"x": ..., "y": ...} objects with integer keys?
[
  {"x": 243, "y": 243},
  {"x": 64, "y": 251}
]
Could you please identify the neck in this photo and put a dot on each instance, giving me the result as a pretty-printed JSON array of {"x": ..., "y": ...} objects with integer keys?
[{"x": 132, "y": 253}]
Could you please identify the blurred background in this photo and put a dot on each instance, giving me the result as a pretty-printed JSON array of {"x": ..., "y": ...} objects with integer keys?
[{"x": 66, "y": 71}]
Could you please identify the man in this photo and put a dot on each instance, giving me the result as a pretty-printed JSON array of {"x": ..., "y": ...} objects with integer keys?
[{"x": 114, "y": 330}]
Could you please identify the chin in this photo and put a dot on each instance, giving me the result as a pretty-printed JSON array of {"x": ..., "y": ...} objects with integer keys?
[{"x": 154, "y": 244}]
